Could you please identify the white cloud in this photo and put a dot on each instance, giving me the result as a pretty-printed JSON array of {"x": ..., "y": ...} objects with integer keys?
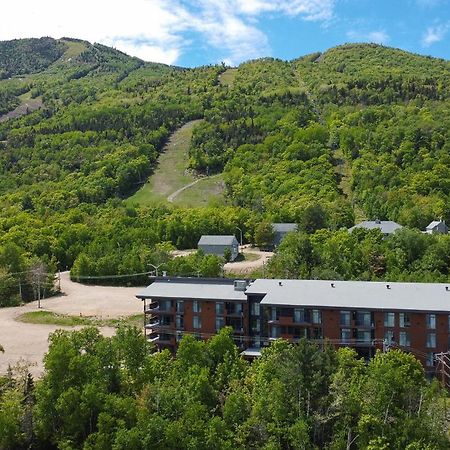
[
  {"x": 155, "y": 29},
  {"x": 435, "y": 34},
  {"x": 377, "y": 37}
]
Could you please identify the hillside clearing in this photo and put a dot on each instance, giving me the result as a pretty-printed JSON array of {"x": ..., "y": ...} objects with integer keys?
[
  {"x": 227, "y": 78},
  {"x": 171, "y": 180}
]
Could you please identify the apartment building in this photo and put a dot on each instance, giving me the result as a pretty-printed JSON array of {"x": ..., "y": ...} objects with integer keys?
[{"x": 365, "y": 315}]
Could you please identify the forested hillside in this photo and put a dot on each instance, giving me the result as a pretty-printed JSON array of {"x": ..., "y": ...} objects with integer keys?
[
  {"x": 359, "y": 131},
  {"x": 110, "y": 393}
]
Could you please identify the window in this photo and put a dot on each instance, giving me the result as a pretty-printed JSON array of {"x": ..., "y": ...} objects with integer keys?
[
  {"x": 449, "y": 323},
  {"x": 346, "y": 334},
  {"x": 389, "y": 336},
  {"x": 165, "y": 305},
  {"x": 233, "y": 308},
  {"x": 316, "y": 316},
  {"x": 363, "y": 336},
  {"x": 405, "y": 340},
  {"x": 363, "y": 319},
  {"x": 180, "y": 306},
  {"x": 431, "y": 321},
  {"x": 431, "y": 340},
  {"x": 275, "y": 332},
  {"x": 299, "y": 315},
  {"x": 196, "y": 322},
  {"x": 255, "y": 309},
  {"x": 164, "y": 321},
  {"x": 220, "y": 308},
  {"x": 256, "y": 326},
  {"x": 179, "y": 322},
  {"x": 179, "y": 336},
  {"x": 389, "y": 319},
  {"x": 405, "y": 320},
  {"x": 196, "y": 306},
  {"x": 430, "y": 359},
  {"x": 346, "y": 318},
  {"x": 274, "y": 313},
  {"x": 220, "y": 323}
]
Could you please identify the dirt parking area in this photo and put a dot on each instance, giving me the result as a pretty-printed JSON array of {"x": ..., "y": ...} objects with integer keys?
[{"x": 29, "y": 342}]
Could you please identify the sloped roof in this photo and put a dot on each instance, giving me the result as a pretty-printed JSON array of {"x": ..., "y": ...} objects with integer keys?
[
  {"x": 217, "y": 240},
  {"x": 434, "y": 224},
  {"x": 284, "y": 227},
  {"x": 201, "y": 289},
  {"x": 386, "y": 226},
  {"x": 354, "y": 294}
]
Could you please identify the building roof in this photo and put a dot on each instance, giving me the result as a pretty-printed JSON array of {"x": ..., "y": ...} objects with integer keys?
[
  {"x": 434, "y": 224},
  {"x": 354, "y": 294},
  {"x": 386, "y": 226},
  {"x": 194, "y": 288},
  {"x": 217, "y": 240},
  {"x": 284, "y": 227}
]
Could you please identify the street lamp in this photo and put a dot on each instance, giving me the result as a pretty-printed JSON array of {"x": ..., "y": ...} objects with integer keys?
[
  {"x": 156, "y": 267},
  {"x": 237, "y": 228}
]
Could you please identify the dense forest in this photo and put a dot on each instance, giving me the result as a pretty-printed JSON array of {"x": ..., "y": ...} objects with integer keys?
[
  {"x": 100, "y": 393},
  {"x": 360, "y": 131}
]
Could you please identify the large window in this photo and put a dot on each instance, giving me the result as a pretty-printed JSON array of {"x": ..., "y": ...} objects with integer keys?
[
  {"x": 363, "y": 319},
  {"x": 179, "y": 322},
  {"x": 431, "y": 321},
  {"x": 346, "y": 318},
  {"x": 430, "y": 359},
  {"x": 196, "y": 306},
  {"x": 404, "y": 320},
  {"x": 255, "y": 309},
  {"x": 299, "y": 315},
  {"x": 346, "y": 335},
  {"x": 196, "y": 322},
  {"x": 389, "y": 336},
  {"x": 431, "y": 340},
  {"x": 405, "y": 340},
  {"x": 364, "y": 336},
  {"x": 220, "y": 308},
  {"x": 256, "y": 325},
  {"x": 180, "y": 306},
  {"x": 220, "y": 323},
  {"x": 165, "y": 305},
  {"x": 275, "y": 332},
  {"x": 316, "y": 316},
  {"x": 389, "y": 319}
]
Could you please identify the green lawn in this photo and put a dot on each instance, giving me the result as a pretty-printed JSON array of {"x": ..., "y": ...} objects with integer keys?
[
  {"x": 207, "y": 192},
  {"x": 51, "y": 318},
  {"x": 227, "y": 77},
  {"x": 171, "y": 174}
]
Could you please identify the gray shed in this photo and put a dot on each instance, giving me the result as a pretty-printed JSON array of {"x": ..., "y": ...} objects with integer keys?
[
  {"x": 437, "y": 227},
  {"x": 387, "y": 227},
  {"x": 280, "y": 230},
  {"x": 216, "y": 245}
]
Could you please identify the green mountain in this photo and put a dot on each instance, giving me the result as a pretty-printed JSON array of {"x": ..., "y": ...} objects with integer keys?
[{"x": 360, "y": 131}]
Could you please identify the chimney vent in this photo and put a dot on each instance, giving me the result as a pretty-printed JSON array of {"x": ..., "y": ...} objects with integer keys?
[
  {"x": 332, "y": 285},
  {"x": 388, "y": 286},
  {"x": 280, "y": 283},
  {"x": 447, "y": 288}
]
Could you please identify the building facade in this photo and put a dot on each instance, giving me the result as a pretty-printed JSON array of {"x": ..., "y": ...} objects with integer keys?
[
  {"x": 387, "y": 227},
  {"x": 280, "y": 230},
  {"x": 437, "y": 227},
  {"x": 367, "y": 316},
  {"x": 217, "y": 245}
]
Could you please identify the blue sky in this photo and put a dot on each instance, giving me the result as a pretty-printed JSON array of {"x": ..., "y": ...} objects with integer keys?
[{"x": 195, "y": 32}]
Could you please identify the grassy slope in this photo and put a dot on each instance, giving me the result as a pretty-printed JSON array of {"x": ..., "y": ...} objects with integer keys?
[{"x": 171, "y": 175}]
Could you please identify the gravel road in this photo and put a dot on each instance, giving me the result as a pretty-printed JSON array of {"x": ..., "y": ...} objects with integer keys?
[{"x": 30, "y": 341}]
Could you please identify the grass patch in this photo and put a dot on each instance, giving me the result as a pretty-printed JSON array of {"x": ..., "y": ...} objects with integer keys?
[
  {"x": 74, "y": 49},
  {"x": 170, "y": 174},
  {"x": 51, "y": 318},
  {"x": 227, "y": 78},
  {"x": 207, "y": 192}
]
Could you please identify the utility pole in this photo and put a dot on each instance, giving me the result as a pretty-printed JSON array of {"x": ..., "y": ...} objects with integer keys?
[{"x": 156, "y": 267}]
